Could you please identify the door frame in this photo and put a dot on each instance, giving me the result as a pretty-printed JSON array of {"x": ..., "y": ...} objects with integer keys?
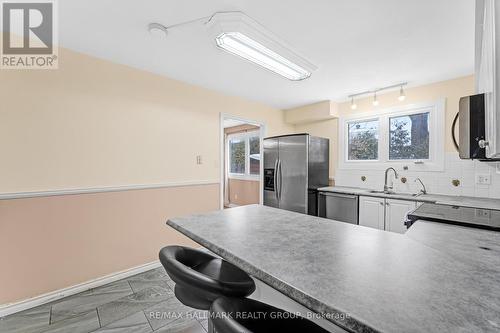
[{"x": 262, "y": 132}]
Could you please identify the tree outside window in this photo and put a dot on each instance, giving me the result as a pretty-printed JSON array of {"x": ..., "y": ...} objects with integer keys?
[
  {"x": 244, "y": 154},
  {"x": 363, "y": 140},
  {"x": 409, "y": 137},
  {"x": 237, "y": 156},
  {"x": 254, "y": 146}
]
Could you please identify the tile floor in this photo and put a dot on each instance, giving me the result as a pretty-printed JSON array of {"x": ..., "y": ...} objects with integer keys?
[{"x": 140, "y": 304}]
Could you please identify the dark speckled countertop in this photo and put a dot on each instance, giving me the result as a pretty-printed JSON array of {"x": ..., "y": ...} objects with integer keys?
[{"x": 434, "y": 278}]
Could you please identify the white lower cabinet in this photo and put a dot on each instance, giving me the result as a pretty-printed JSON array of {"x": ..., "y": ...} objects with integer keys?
[
  {"x": 395, "y": 213},
  {"x": 384, "y": 214},
  {"x": 371, "y": 212}
]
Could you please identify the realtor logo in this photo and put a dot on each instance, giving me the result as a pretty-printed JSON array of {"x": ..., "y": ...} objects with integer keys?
[{"x": 29, "y": 35}]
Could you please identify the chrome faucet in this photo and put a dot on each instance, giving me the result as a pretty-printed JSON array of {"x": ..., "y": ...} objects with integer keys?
[
  {"x": 423, "y": 190},
  {"x": 387, "y": 188}
]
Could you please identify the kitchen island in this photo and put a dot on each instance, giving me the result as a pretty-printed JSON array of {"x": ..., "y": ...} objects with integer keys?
[{"x": 361, "y": 279}]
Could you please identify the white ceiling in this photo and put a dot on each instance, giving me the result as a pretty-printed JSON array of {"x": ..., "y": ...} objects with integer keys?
[{"x": 357, "y": 44}]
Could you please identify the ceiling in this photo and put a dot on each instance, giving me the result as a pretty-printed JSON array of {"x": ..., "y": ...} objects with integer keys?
[{"x": 357, "y": 45}]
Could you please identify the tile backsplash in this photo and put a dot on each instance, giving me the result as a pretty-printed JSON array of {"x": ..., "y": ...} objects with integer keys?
[{"x": 466, "y": 171}]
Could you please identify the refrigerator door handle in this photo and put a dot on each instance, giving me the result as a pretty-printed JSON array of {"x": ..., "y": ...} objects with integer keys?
[
  {"x": 276, "y": 179},
  {"x": 280, "y": 178}
]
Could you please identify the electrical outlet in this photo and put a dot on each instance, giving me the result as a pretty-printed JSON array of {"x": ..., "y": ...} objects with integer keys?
[
  {"x": 482, "y": 213},
  {"x": 198, "y": 159},
  {"x": 483, "y": 179}
]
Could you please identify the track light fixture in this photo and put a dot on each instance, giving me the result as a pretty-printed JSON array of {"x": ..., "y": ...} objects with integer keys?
[{"x": 375, "y": 102}]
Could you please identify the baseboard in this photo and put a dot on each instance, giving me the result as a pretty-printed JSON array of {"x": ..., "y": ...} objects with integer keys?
[{"x": 7, "y": 309}]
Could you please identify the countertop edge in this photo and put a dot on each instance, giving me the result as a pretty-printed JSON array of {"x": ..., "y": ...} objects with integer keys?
[
  {"x": 441, "y": 199},
  {"x": 367, "y": 193},
  {"x": 352, "y": 324}
]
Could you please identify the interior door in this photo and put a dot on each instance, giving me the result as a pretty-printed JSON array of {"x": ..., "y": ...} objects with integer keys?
[
  {"x": 271, "y": 155},
  {"x": 371, "y": 212},
  {"x": 292, "y": 173}
]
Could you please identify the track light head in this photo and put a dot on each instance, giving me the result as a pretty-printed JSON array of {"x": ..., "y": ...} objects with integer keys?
[
  {"x": 402, "y": 95},
  {"x": 354, "y": 106}
]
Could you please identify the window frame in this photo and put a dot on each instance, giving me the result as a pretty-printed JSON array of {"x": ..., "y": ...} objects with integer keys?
[
  {"x": 437, "y": 132},
  {"x": 246, "y": 137}
]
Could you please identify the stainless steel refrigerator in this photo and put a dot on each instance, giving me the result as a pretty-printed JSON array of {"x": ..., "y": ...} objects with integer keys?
[{"x": 295, "y": 166}]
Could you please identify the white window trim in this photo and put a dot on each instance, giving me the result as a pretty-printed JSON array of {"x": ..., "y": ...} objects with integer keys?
[
  {"x": 436, "y": 138},
  {"x": 246, "y": 136}
]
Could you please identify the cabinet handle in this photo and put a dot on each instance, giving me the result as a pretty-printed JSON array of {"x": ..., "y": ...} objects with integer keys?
[
  {"x": 381, "y": 204},
  {"x": 387, "y": 204}
]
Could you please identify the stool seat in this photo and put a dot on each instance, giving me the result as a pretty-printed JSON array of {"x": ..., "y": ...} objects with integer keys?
[
  {"x": 243, "y": 315},
  {"x": 201, "y": 277}
]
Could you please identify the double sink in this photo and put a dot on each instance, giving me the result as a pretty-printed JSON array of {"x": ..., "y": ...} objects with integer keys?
[{"x": 414, "y": 195}]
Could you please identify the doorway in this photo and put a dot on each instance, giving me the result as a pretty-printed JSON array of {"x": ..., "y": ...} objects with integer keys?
[{"x": 241, "y": 171}]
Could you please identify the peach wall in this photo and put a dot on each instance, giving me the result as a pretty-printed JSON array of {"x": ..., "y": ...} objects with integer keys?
[
  {"x": 50, "y": 243},
  {"x": 243, "y": 192},
  {"x": 451, "y": 90},
  {"x": 93, "y": 123}
]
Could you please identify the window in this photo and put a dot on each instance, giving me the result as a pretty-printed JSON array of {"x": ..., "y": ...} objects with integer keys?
[
  {"x": 363, "y": 140},
  {"x": 254, "y": 146},
  {"x": 237, "y": 155},
  {"x": 244, "y": 155},
  {"x": 409, "y": 136}
]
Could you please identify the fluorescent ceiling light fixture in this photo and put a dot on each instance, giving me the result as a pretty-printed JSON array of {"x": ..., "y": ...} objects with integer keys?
[
  {"x": 238, "y": 44},
  {"x": 238, "y": 34}
]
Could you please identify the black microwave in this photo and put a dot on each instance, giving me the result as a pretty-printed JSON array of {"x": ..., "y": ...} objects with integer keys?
[{"x": 472, "y": 128}]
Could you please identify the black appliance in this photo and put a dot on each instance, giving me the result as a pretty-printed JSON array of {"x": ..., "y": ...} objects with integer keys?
[
  {"x": 471, "y": 142},
  {"x": 465, "y": 216}
]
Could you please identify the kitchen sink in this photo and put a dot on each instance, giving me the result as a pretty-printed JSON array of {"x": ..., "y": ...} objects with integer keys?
[{"x": 395, "y": 193}]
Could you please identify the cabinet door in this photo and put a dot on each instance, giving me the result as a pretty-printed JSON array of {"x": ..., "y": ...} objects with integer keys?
[
  {"x": 487, "y": 71},
  {"x": 371, "y": 212},
  {"x": 395, "y": 213}
]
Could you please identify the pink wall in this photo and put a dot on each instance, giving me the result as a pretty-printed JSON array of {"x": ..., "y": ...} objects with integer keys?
[
  {"x": 50, "y": 243},
  {"x": 243, "y": 192}
]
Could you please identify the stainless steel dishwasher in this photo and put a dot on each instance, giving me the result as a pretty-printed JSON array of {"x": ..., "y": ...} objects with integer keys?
[{"x": 338, "y": 206}]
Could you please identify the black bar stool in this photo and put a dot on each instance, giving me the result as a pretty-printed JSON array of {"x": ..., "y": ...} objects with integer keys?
[
  {"x": 243, "y": 315},
  {"x": 200, "y": 278}
]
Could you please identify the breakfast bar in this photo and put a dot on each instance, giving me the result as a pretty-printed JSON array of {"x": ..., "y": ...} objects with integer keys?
[{"x": 361, "y": 279}]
